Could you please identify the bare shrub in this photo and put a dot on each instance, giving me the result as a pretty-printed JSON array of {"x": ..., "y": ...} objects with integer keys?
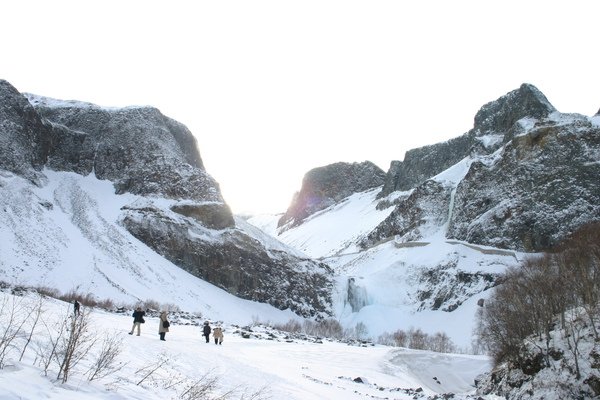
[
  {"x": 532, "y": 297},
  {"x": 13, "y": 316},
  {"x": 151, "y": 305},
  {"x": 148, "y": 372},
  {"x": 325, "y": 328},
  {"x": 34, "y": 312},
  {"x": 106, "y": 362},
  {"x": 48, "y": 291},
  {"x": 400, "y": 338},
  {"x": 441, "y": 343},
  {"x": 107, "y": 304},
  {"x": 386, "y": 339},
  {"x": 199, "y": 388},
  {"x": 170, "y": 307},
  {"x": 75, "y": 345},
  {"x": 417, "y": 339},
  {"x": 260, "y": 394},
  {"x": 292, "y": 326},
  {"x": 47, "y": 350}
]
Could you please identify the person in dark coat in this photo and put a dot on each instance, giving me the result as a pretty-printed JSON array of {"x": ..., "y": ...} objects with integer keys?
[
  {"x": 76, "y": 307},
  {"x": 138, "y": 320},
  {"x": 206, "y": 331}
]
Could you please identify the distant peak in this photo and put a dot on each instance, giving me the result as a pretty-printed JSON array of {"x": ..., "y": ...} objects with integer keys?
[
  {"x": 500, "y": 115},
  {"x": 325, "y": 186}
]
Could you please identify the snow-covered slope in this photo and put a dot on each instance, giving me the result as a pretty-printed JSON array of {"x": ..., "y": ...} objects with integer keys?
[
  {"x": 338, "y": 228},
  {"x": 70, "y": 239}
]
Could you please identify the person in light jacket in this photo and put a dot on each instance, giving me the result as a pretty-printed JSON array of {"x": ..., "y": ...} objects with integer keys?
[
  {"x": 138, "y": 320},
  {"x": 218, "y": 335},
  {"x": 163, "y": 325}
]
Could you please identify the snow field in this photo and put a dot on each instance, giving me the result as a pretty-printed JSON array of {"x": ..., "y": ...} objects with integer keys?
[{"x": 277, "y": 369}]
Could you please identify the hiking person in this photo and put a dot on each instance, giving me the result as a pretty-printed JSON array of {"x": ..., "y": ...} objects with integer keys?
[
  {"x": 138, "y": 320},
  {"x": 76, "y": 307},
  {"x": 163, "y": 325},
  {"x": 218, "y": 335},
  {"x": 206, "y": 331}
]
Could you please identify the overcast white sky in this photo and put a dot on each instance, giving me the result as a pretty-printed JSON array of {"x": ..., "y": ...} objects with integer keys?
[{"x": 272, "y": 89}]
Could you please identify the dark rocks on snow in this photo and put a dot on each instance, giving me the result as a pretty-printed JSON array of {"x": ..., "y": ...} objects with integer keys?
[
  {"x": 424, "y": 162},
  {"x": 427, "y": 205}
]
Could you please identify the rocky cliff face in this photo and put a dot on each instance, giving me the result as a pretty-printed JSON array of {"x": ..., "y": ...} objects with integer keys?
[
  {"x": 536, "y": 191},
  {"x": 423, "y": 163},
  {"x": 493, "y": 127},
  {"x": 325, "y": 186},
  {"x": 137, "y": 148},
  {"x": 24, "y": 139},
  {"x": 142, "y": 152},
  {"x": 529, "y": 179},
  {"x": 236, "y": 262}
]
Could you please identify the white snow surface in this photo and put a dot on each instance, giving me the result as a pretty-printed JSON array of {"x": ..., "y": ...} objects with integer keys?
[
  {"x": 278, "y": 368},
  {"x": 336, "y": 229}
]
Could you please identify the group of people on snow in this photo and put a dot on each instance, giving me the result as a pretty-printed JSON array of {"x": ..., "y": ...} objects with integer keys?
[{"x": 163, "y": 326}]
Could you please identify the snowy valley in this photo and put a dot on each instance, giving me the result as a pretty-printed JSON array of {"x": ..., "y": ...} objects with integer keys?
[{"x": 115, "y": 205}]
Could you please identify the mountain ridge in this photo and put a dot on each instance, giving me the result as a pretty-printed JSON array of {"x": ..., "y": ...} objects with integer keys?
[{"x": 142, "y": 153}]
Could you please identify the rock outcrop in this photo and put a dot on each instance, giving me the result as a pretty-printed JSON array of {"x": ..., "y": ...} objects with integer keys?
[
  {"x": 423, "y": 163},
  {"x": 493, "y": 127},
  {"x": 138, "y": 148},
  {"x": 325, "y": 186},
  {"x": 236, "y": 262},
  {"x": 541, "y": 186},
  {"x": 530, "y": 179},
  {"x": 24, "y": 138}
]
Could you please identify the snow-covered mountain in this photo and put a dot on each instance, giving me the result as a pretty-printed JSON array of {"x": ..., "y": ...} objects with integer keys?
[
  {"x": 116, "y": 202},
  {"x": 433, "y": 284},
  {"x": 423, "y": 249}
]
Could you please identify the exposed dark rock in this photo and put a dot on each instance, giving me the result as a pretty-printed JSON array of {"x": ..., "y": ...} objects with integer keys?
[
  {"x": 539, "y": 190},
  {"x": 495, "y": 118},
  {"x": 211, "y": 215},
  {"x": 139, "y": 149},
  {"x": 533, "y": 364},
  {"x": 325, "y": 186},
  {"x": 235, "y": 262},
  {"x": 424, "y": 162},
  {"x": 426, "y": 206},
  {"x": 24, "y": 139},
  {"x": 532, "y": 180},
  {"x": 593, "y": 382},
  {"x": 500, "y": 115},
  {"x": 449, "y": 286}
]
